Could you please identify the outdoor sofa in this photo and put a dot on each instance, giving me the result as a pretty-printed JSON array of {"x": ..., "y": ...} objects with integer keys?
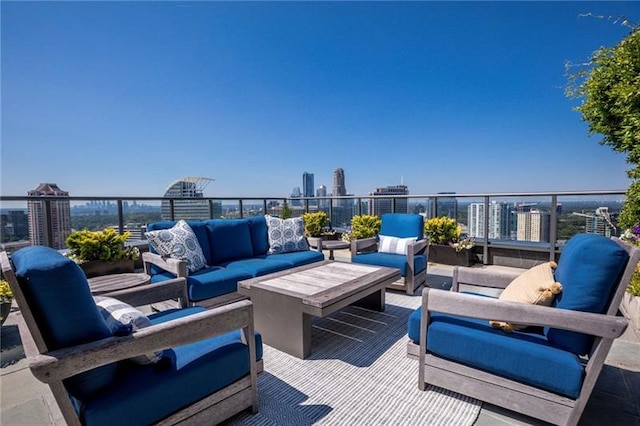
[{"x": 233, "y": 250}]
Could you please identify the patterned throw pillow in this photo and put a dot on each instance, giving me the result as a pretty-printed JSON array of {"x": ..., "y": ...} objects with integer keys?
[
  {"x": 286, "y": 235},
  {"x": 124, "y": 319},
  {"x": 394, "y": 245},
  {"x": 179, "y": 243}
]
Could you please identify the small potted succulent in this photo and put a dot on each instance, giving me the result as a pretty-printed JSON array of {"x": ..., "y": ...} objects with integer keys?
[
  {"x": 6, "y": 298},
  {"x": 102, "y": 252}
]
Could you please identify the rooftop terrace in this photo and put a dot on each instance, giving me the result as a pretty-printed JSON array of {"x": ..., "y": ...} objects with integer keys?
[{"x": 327, "y": 392}]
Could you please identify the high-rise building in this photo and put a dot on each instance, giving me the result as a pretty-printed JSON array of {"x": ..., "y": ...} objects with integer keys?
[
  {"x": 307, "y": 185},
  {"x": 295, "y": 196},
  {"x": 445, "y": 205},
  {"x": 56, "y": 217},
  {"x": 533, "y": 225},
  {"x": 322, "y": 192},
  {"x": 501, "y": 220},
  {"x": 599, "y": 222},
  {"x": 192, "y": 208},
  {"x": 380, "y": 206},
  {"x": 339, "y": 188}
]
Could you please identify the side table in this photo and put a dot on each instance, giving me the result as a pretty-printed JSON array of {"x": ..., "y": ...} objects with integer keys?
[
  {"x": 109, "y": 283},
  {"x": 332, "y": 245}
]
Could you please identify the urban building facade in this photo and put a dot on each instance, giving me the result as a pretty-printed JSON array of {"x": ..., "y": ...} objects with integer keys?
[
  {"x": 56, "y": 215},
  {"x": 308, "y": 185},
  {"x": 380, "y": 206},
  {"x": 533, "y": 225},
  {"x": 191, "y": 208},
  {"x": 501, "y": 223}
]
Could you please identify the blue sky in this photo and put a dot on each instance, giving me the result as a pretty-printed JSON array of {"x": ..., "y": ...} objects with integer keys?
[{"x": 122, "y": 98}]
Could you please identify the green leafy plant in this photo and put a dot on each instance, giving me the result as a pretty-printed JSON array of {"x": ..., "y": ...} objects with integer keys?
[
  {"x": 286, "y": 211},
  {"x": 364, "y": 226},
  {"x": 634, "y": 283},
  {"x": 106, "y": 245},
  {"x": 442, "y": 230},
  {"x": 315, "y": 223},
  {"x": 6, "y": 295},
  {"x": 632, "y": 236}
]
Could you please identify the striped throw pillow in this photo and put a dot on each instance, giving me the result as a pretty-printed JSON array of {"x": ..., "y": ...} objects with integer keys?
[{"x": 394, "y": 245}]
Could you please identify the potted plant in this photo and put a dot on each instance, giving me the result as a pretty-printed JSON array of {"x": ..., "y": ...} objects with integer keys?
[
  {"x": 362, "y": 226},
  {"x": 315, "y": 223},
  {"x": 630, "y": 305},
  {"x": 445, "y": 244},
  {"x": 6, "y": 298},
  {"x": 102, "y": 252}
]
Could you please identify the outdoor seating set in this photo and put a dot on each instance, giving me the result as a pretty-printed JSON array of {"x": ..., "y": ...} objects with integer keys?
[{"x": 197, "y": 365}]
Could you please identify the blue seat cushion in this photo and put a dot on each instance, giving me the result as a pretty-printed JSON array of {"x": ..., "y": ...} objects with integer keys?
[
  {"x": 391, "y": 260},
  {"x": 258, "y": 266},
  {"x": 229, "y": 239},
  {"x": 259, "y": 235},
  {"x": 60, "y": 300},
  {"x": 297, "y": 258},
  {"x": 402, "y": 225},
  {"x": 524, "y": 357},
  {"x": 147, "y": 394},
  {"x": 199, "y": 229},
  {"x": 209, "y": 282},
  {"x": 589, "y": 269}
]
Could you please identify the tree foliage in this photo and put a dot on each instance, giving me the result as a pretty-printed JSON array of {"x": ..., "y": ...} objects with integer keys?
[{"x": 609, "y": 85}]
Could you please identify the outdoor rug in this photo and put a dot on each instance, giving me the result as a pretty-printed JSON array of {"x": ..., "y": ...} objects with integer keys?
[{"x": 357, "y": 374}]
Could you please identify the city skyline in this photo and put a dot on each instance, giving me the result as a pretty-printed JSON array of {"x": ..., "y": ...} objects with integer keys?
[{"x": 120, "y": 98}]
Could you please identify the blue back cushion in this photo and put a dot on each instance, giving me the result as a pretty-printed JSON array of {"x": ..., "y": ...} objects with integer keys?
[
  {"x": 229, "y": 239},
  {"x": 402, "y": 225},
  {"x": 60, "y": 300},
  {"x": 259, "y": 235},
  {"x": 589, "y": 270},
  {"x": 199, "y": 228}
]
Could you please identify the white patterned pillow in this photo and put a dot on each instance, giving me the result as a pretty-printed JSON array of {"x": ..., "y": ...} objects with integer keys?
[
  {"x": 179, "y": 243},
  {"x": 286, "y": 235},
  {"x": 394, "y": 245},
  {"x": 123, "y": 319}
]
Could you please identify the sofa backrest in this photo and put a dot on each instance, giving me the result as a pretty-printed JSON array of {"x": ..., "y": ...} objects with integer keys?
[
  {"x": 402, "y": 225},
  {"x": 229, "y": 239},
  {"x": 590, "y": 268},
  {"x": 58, "y": 296},
  {"x": 259, "y": 235}
]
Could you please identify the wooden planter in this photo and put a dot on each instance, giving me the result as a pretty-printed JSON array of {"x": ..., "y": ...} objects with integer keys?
[
  {"x": 449, "y": 256},
  {"x": 96, "y": 268},
  {"x": 630, "y": 307}
]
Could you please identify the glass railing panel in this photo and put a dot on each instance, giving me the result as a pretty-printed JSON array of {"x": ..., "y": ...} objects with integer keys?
[
  {"x": 522, "y": 220},
  {"x": 342, "y": 211},
  {"x": 14, "y": 225},
  {"x": 253, "y": 208},
  {"x": 229, "y": 209},
  {"x": 594, "y": 214}
]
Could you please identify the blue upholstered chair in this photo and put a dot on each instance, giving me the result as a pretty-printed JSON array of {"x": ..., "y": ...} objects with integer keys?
[
  {"x": 547, "y": 371},
  {"x": 207, "y": 372},
  {"x": 400, "y": 244}
]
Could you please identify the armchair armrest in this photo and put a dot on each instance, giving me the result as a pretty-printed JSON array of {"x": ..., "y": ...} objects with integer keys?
[
  {"x": 315, "y": 243},
  {"x": 357, "y": 245},
  {"x": 418, "y": 247},
  {"x": 466, "y": 305},
  {"x": 60, "y": 364},
  {"x": 175, "y": 266},
  {"x": 153, "y": 293},
  {"x": 482, "y": 277}
]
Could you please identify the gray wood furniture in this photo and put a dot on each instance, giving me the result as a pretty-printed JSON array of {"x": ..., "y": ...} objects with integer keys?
[
  {"x": 284, "y": 302},
  {"x": 330, "y": 245},
  {"x": 105, "y": 284},
  {"x": 498, "y": 390},
  {"x": 52, "y": 367}
]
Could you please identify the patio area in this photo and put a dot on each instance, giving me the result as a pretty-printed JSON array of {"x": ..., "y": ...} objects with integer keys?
[{"x": 324, "y": 389}]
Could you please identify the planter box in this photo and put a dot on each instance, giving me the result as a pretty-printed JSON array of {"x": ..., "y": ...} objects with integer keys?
[
  {"x": 96, "y": 268},
  {"x": 449, "y": 256},
  {"x": 630, "y": 307}
]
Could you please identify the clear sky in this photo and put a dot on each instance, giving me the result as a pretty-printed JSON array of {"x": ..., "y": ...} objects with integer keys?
[{"x": 123, "y": 98}]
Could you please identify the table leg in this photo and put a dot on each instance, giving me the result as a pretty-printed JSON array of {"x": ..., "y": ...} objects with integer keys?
[
  {"x": 331, "y": 254},
  {"x": 374, "y": 301}
]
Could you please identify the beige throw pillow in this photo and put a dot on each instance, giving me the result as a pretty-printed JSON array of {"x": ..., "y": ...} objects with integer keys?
[{"x": 536, "y": 286}]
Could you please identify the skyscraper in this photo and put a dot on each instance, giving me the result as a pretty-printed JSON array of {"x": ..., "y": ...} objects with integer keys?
[
  {"x": 339, "y": 188},
  {"x": 380, "y": 206},
  {"x": 307, "y": 184},
  {"x": 56, "y": 217},
  {"x": 500, "y": 220},
  {"x": 533, "y": 225},
  {"x": 322, "y": 192},
  {"x": 195, "y": 208}
]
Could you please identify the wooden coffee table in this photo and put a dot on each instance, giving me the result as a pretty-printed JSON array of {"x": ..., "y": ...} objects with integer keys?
[
  {"x": 105, "y": 284},
  {"x": 284, "y": 302}
]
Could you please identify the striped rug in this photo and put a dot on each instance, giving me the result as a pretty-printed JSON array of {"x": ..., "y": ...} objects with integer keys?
[{"x": 358, "y": 374}]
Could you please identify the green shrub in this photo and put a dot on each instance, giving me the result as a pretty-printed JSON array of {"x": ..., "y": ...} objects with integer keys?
[
  {"x": 442, "y": 230},
  {"x": 364, "y": 226},
  {"x": 286, "y": 211},
  {"x": 106, "y": 245},
  {"x": 314, "y": 223},
  {"x": 634, "y": 283},
  {"x": 6, "y": 295}
]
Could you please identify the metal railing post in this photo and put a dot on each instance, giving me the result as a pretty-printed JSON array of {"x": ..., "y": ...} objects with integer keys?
[
  {"x": 240, "y": 205},
  {"x": 48, "y": 220},
  {"x": 485, "y": 225},
  {"x": 553, "y": 227},
  {"x": 120, "y": 217}
]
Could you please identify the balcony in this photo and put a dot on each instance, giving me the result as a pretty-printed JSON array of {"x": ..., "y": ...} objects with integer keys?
[{"x": 25, "y": 400}]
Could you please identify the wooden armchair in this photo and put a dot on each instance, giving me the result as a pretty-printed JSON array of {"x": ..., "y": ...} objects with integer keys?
[
  {"x": 412, "y": 263},
  {"x": 210, "y": 358},
  {"x": 547, "y": 371}
]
